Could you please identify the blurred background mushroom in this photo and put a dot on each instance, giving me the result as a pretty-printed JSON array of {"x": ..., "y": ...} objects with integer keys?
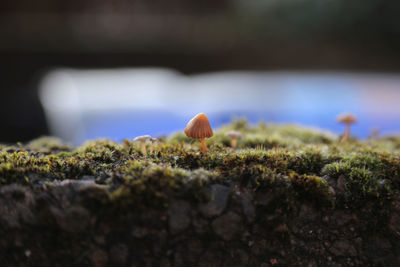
[
  {"x": 121, "y": 68},
  {"x": 234, "y": 136},
  {"x": 347, "y": 119},
  {"x": 374, "y": 133}
]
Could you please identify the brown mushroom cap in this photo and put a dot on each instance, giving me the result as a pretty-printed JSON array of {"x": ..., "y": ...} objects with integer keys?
[
  {"x": 347, "y": 118},
  {"x": 199, "y": 127}
]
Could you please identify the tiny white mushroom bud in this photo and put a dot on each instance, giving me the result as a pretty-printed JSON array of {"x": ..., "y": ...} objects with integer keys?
[{"x": 142, "y": 139}]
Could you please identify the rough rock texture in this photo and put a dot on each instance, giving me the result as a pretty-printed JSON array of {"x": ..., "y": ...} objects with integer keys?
[
  {"x": 61, "y": 228},
  {"x": 227, "y": 226},
  {"x": 179, "y": 216},
  {"x": 105, "y": 204},
  {"x": 219, "y": 198}
]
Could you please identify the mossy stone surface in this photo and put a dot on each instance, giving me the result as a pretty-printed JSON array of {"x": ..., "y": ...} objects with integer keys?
[{"x": 288, "y": 195}]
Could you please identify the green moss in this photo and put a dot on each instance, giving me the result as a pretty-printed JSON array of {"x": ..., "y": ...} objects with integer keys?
[
  {"x": 286, "y": 159},
  {"x": 48, "y": 144},
  {"x": 145, "y": 184},
  {"x": 335, "y": 169},
  {"x": 310, "y": 161},
  {"x": 313, "y": 188}
]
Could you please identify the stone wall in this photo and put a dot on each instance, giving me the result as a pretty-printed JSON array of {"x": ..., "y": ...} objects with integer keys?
[{"x": 75, "y": 223}]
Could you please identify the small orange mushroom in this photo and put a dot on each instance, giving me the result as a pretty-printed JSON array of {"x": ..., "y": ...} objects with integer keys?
[
  {"x": 348, "y": 119},
  {"x": 199, "y": 128}
]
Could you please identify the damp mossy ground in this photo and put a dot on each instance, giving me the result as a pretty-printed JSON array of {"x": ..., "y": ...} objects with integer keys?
[
  {"x": 314, "y": 165},
  {"x": 289, "y": 195}
]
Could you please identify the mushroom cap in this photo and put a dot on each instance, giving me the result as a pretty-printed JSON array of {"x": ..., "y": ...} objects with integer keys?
[
  {"x": 153, "y": 139},
  {"x": 347, "y": 118},
  {"x": 199, "y": 127},
  {"x": 234, "y": 134},
  {"x": 142, "y": 138}
]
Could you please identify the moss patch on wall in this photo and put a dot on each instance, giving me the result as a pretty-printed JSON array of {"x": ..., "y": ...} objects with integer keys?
[{"x": 287, "y": 195}]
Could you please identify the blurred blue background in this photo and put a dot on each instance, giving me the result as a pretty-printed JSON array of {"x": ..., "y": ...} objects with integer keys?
[
  {"x": 86, "y": 104},
  {"x": 85, "y": 69}
]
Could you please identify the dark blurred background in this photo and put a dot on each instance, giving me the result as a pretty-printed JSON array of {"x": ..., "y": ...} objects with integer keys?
[{"x": 189, "y": 36}]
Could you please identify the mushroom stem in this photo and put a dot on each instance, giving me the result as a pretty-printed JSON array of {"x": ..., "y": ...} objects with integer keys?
[
  {"x": 151, "y": 147},
  {"x": 346, "y": 135},
  {"x": 144, "y": 152},
  {"x": 233, "y": 142},
  {"x": 204, "y": 145}
]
